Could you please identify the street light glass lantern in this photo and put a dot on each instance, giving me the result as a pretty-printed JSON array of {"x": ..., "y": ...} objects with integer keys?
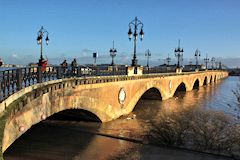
[
  {"x": 47, "y": 40},
  {"x": 130, "y": 34},
  {"x": 141, "y": 34},
  {"x": 39, "y": 39}
]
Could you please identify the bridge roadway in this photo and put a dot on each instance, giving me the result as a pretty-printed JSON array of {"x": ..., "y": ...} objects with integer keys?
[{"x": 108, "y": 97}]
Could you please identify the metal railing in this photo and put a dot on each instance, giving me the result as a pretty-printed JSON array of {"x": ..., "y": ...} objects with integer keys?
[{"x": 15, "y": 79}]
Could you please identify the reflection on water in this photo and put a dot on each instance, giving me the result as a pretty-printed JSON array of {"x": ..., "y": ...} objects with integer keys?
[{"x": 124, "y": 138}]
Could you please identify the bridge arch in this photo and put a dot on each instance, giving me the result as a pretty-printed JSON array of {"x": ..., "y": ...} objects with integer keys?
[
  {"x": 75, "y": 115},
  {"x": 205, "y": 82},
  {"x": 152, "y": 93},
  {"x": 180, "y": 88},
  {"x": 196, "y": 84},
  {"x": 142, "y": 92},
  {"x": 19, "y": 123},
  {"x": 211, "y": 79}
]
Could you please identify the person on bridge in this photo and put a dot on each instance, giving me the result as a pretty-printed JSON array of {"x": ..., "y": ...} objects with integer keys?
[
  {"x": 74, "y": 67},
  {"x": 64, "y": 66}
]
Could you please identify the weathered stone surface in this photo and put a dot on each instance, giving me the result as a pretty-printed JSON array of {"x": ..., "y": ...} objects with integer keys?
[{"x": 35, "y": 103}]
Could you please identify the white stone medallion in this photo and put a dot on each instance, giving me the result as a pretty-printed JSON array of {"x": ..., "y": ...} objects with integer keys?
[
  {"x": 121, "y": 96},
  {"x": 170, "y": 85}
]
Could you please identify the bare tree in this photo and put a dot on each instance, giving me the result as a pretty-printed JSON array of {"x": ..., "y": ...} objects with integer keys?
[{"x": 208, "y": 131}]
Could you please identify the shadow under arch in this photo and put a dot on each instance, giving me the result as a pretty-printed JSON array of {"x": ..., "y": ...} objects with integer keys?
[
  {"x": 153, "y": 94},
  {"x": 205, "y": 81},
  {"x": 181, "y": 88},
  {"x": 135, "y": 99},
  {"x": 211, "y": 79},
  {"x": 215, "y": 78},
  {"x": 196, "y": 84},
  {"x": 75, "y": 115},
  {"x": 146, "y": 106}
]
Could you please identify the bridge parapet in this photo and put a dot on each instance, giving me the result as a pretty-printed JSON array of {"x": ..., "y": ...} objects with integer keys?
[{"x": 13, "y": 80}]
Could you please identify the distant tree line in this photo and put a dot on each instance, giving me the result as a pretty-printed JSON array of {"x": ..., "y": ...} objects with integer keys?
[{"x": 234, "y": 72}]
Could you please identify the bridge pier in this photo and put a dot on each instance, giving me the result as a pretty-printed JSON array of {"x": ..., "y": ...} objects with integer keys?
[{"x": 134, "y": 71}]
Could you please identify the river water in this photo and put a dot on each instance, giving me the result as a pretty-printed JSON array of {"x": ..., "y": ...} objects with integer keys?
[{"x": 124, "y": 138}]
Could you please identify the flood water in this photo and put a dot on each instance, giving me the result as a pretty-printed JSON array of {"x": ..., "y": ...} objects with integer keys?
[{"x": 124, "y": 138}]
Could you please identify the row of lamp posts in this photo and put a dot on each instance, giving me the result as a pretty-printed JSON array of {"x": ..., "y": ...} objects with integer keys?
[{"x": 136, "y": 24}]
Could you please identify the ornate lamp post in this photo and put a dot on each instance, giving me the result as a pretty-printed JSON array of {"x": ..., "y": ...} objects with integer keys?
[
  {"x": 41, "y": 33},
  {"x": 168, "y": 59},
  {"x": 113, "y": 53},
  {"x": 197, "y": 57},
  {"x": 213, "y": 60},
  {"x": 179, "y": 53},
  {"x": 135, "y": 24},
  {"x": 147, "y": 54},
  {"x": 220, "y": 65},
  {"x": 206, "y": 60},
  {"x": 216, "y": 64}
]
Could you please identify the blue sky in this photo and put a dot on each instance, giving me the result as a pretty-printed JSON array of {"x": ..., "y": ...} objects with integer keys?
[{"x": 77, "y": 28}]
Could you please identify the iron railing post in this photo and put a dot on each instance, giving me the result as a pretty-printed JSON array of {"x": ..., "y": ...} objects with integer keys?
[
  {"x": 39, "y": 74},
  {"x": 79, "y": 71},
  {"x": 59, "y": 72},
  {"x": 19, "y": 79}
]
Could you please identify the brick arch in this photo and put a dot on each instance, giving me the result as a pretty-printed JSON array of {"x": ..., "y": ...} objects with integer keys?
[
  {"x": 18, "y": 124},
  {"x": 139, "y": 94},
  {"x": 176, "y": 87},
  {"x": 205, "y": 81},
  {"x": 211, "y": 79},
  {"x": 195, "y": 81},
  {"x": 215, "y": 78}
]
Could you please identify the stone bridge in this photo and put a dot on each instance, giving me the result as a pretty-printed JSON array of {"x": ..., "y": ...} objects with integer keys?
[{"x": 107, "y": 97}]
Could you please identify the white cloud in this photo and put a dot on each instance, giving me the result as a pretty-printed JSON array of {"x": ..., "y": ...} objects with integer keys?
[{"x": 14, "y": 56}]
